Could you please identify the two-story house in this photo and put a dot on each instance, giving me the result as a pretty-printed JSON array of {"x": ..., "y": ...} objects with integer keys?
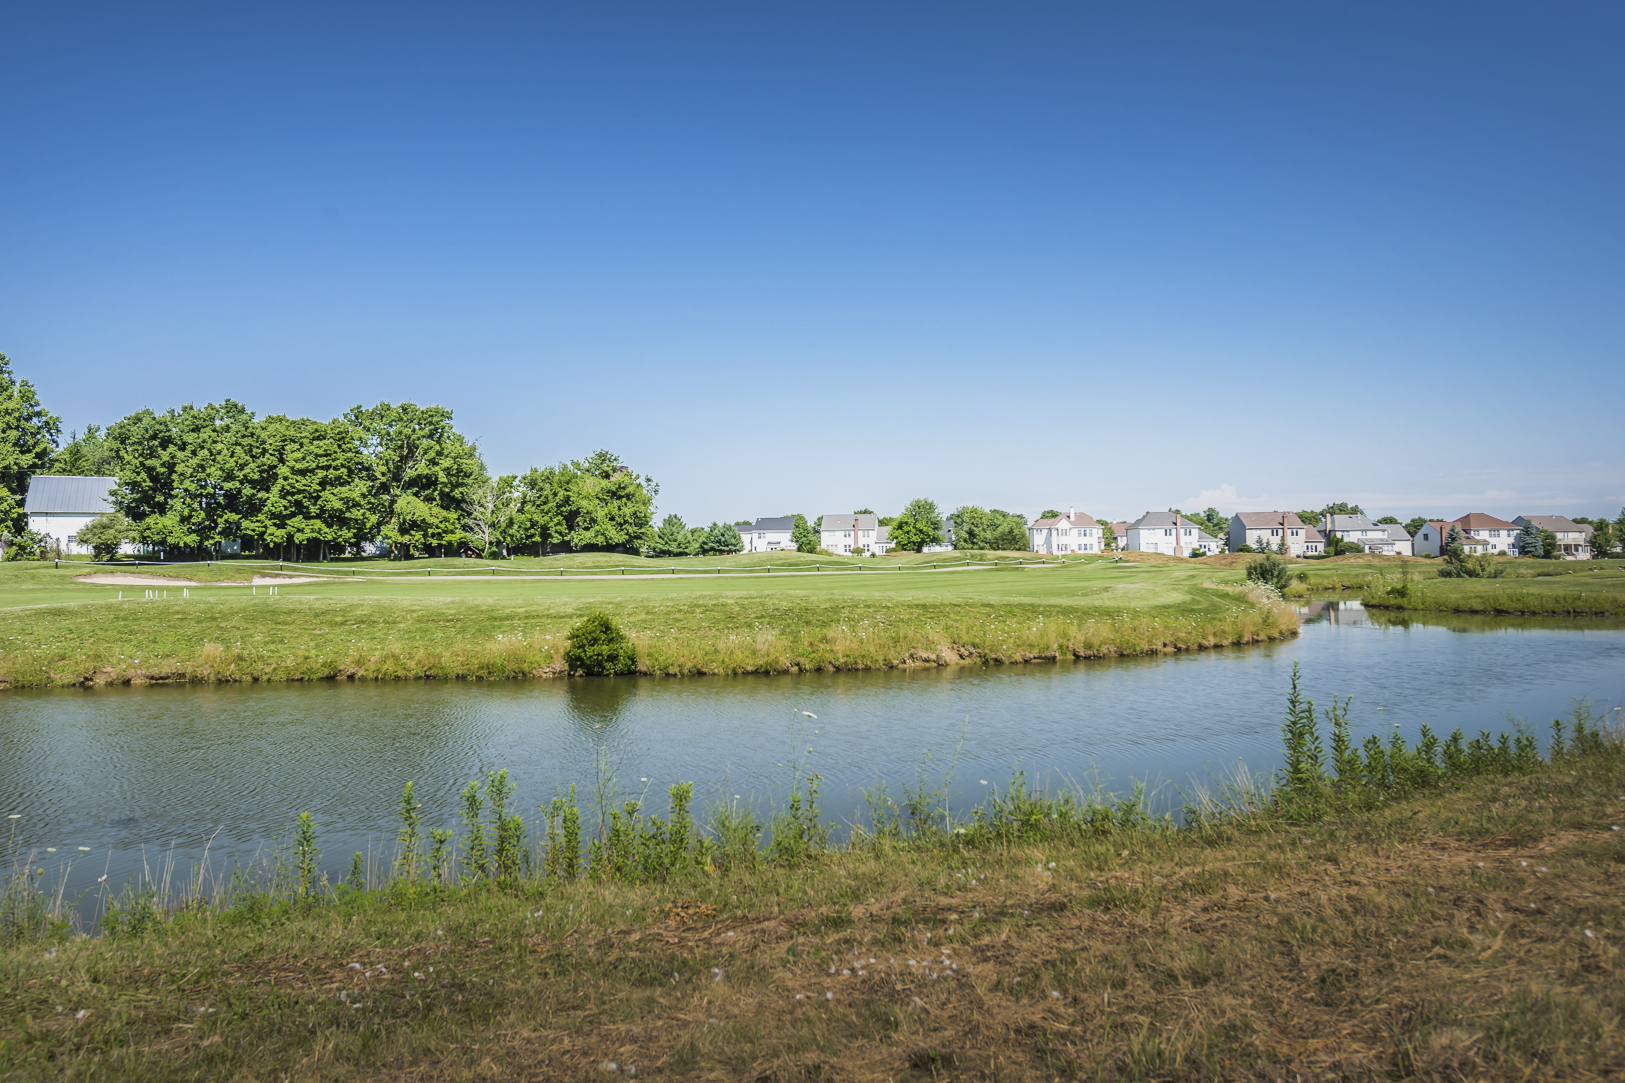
[
  {"x": 1165, "y": 532},
  {"x": 1074, "y": 532},
  {"x": 768, "y": 535},
  {"x": 1497, "y": 536},
  {"x": 1573, "y": 539},
  {"x": 1267, "y": 530},
  {"x": 1361, "y": 531},
  {"x": 853, "y": 533}
]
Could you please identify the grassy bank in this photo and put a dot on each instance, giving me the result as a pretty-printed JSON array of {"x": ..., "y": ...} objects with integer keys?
[
  {"x": 1402, "y": 922},
  {"x": 55, "y": 630},
  {"x": 1597, "y": 591}
]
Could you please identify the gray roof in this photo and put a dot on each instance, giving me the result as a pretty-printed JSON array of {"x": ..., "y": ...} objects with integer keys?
[
  {"x": 1159, "y": 520},
  {"x": 1396, "y": 532},
  {"x": 848, "y": 522},
  {"x": 62, "y": 494},
  {"x": 1554, "y": 523},
  {"x": 782, "y": 522},
  {"x": 1351, "y": 522}
]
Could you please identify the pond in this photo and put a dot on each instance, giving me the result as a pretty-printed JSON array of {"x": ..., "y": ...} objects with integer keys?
[{"x": 144, "y": 776}]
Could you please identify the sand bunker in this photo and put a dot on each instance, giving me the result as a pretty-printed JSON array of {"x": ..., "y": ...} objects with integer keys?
[{"x": 131, "y": 579}]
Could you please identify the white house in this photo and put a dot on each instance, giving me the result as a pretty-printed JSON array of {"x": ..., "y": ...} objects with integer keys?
[
  {"x": 768, "y": 535},
  {"x": 852, "y": 533},
  {"x": 1497, "y": 535},
  {"x": 1268, "y": 530},
  {"x": 1165, "y": 532},
  {"x": 1359, "y": 530},
  {"x": 1480, "y": 533},
  {"x": 1399, "y": 540},
  {"x": 1573, "y": 539},
  {"x": 58, "y": 506},
  {"x": 1314, "y": 543},
  {"x": 1074, "y": 532}
]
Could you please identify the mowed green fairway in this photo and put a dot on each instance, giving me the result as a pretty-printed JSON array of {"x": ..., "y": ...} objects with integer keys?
[{"x": 54, "y": 630}]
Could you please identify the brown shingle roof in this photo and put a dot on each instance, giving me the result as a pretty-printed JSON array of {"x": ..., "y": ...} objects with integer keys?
[{"x": 1477, "y": 520}]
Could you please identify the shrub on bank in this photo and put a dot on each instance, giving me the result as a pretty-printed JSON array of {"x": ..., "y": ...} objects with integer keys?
[{"x": 599, "y": 648}]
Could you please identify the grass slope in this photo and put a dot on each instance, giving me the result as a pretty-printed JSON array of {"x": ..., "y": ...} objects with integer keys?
[
  {"x": 59, "y": 631},
  {"x": 1598, "y": 591},
  {"x": 1466, "y": 934}
]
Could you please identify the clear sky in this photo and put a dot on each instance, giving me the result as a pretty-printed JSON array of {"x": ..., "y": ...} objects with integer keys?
[{"x": 815, "y": 257}]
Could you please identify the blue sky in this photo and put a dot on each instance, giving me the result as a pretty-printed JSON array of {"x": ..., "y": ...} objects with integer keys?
[{"x": 817, "y": 257}]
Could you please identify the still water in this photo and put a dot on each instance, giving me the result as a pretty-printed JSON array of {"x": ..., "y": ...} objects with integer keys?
[{"x": 136, "y": 774}]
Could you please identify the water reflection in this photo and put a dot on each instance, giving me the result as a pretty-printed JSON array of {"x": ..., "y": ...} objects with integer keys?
[{"x": 119, "y": 769}]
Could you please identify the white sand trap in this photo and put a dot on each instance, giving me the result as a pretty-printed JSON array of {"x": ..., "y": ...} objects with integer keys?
[{"x": 129, "y": 579}]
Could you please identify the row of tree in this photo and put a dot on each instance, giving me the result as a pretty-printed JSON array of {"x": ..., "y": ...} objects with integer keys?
[{"x": 194, "y": 477}]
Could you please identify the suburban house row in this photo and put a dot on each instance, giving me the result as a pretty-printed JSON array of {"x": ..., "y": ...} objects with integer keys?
[{"x": 60, "y": 506}]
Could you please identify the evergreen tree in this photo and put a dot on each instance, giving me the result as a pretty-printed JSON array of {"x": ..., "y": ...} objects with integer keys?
[
  {"x": 1529, "y": 544},
  {"x": 673, "y": 538},
  {"x": 721, "y": 538}
]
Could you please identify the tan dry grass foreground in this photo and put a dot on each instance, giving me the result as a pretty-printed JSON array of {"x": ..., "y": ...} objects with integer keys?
[{"x": 1471, "y": 935}]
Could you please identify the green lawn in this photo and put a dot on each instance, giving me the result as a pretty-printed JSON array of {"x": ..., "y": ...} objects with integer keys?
[
  {"x": 1595, "y": 588},
  {"x": 55, "y": 630}
]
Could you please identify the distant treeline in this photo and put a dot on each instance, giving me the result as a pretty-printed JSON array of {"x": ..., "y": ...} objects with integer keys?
[{"x": 194, "y": 477}]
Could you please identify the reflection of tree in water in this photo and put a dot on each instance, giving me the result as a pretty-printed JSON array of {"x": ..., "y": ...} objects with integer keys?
[
  {"x": 597, "y": 707},
  {"x": 598, "y": 704}
]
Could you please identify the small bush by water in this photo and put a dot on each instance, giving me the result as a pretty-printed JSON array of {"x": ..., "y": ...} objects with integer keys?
[{"x": 599, "y": 648}]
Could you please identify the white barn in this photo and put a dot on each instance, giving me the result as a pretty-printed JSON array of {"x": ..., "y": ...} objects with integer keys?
[{"x": 59, "y": 506}]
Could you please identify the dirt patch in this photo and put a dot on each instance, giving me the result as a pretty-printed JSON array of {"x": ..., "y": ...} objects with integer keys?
[{"x": 282, "y": 580}]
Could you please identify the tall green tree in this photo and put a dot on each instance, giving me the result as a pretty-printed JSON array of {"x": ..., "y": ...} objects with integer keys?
[
  {"x": 415, "y": 451},
  {"x": 804, "y": 535},
  {"x": 1413, "y": 525},
  {"x": 307, "y": 489},
  {"x": 672, "y": 539},
  {"x": 89, "y": 454},
  {"x": 594, "y": 504},
  {"x": 920, "y": 525},
  {"x": 975, "y": 528},
  {"x": 28, "y": 436},
  {"x": 186, "y": 476},
  {"x": 1602, "y": 539},
  {"x": 721, "y": 538},
  {"x": 1309, "y": 518}
]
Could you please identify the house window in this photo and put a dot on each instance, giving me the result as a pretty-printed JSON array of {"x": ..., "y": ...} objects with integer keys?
[{"x": 1275, "y": 531}]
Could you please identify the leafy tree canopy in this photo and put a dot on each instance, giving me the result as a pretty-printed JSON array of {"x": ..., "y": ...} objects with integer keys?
[
  {"x": 28, "y": 436},
  {"x": 975, "y": 528},
  {"x": 920, "y": 525},
  {"x": 1309, "y": 518},
  {"x": 1049, "y": 513},
  {"x": 1413, "y": 525},
  {"x": 85, "y": 455},
  {"x": 805, "y": 535},
  {"x": 721, "y": 538},
  {"x": 1341, "y": 508},
  {"x": 1388, "y": 520}
]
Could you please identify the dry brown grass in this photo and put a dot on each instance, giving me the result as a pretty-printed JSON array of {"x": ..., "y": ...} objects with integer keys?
[{"x": 1469, "y": 935}]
